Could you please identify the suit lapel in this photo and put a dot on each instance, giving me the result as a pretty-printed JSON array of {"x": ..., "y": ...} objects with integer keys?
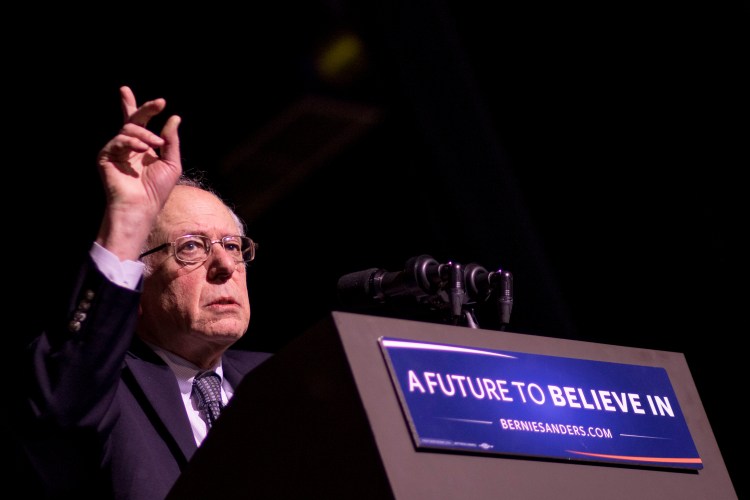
[
  {"x": 157, "y": 383},
  {"x": 231, "y": 371},
  {"x": 159, "y": 386}
]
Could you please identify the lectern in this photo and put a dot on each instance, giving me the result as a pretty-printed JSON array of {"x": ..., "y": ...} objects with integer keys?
[{"x": 324, "y": 418}]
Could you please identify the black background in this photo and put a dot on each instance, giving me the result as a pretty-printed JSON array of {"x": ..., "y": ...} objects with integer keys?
[{"x": 595, "y": 153}]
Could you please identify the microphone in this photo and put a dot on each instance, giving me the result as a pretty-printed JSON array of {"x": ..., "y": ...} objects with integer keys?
[
  {"x": 456, "y": 289},
  {"x": 477, "y": 282},
  {"x": 480, "y": 284},
  {"x": 419, "y": 281},
  {"x": 450, "y": 289},
  {"x": 505, "y": 296}
]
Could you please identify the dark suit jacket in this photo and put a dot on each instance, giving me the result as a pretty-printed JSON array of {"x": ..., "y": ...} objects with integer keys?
[{"x": 104, "y": 415}]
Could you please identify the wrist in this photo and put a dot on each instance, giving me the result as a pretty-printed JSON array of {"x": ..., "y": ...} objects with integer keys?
[{"x": 124, "y": 233}]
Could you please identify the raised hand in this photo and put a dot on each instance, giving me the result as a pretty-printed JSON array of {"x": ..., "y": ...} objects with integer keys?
[{"x": 137, "y": 179}]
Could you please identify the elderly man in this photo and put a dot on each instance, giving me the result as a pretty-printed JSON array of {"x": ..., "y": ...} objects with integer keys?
[{"x": 111, "y": 409}]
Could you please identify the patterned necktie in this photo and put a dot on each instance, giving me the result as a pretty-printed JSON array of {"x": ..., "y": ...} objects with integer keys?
[{"x": 207, "y": 386}]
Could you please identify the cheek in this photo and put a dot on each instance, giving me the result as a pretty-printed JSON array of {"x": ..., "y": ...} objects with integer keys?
[
  {"x": 178, "y": 295},
  {"x": 184, "y": 293},
  {"x": 155, "y": 290}
]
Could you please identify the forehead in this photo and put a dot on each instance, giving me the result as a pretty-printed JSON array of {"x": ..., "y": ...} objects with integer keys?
[{"x": 189, "y": 209}]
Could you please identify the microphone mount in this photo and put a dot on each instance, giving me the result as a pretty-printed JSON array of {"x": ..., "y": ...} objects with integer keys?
[{"x": 449, "y": 292}]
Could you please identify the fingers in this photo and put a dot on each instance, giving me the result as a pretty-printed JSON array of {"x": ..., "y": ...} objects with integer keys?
[
  {"x": 127, "y": 102},
  {"x": 170, "y": 151},
  {"x": 134, "y": 137},
  {"x": 138, "y": 134},
  {"x": 146, "y": 111},
  {"x": 139, "y": 115},
  {"x": 121, "y": 147}
]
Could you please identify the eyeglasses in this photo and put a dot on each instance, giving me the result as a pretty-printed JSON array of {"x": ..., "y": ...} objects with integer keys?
[{"x": 194, "y": 248}]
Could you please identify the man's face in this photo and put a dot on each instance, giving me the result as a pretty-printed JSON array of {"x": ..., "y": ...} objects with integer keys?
[{"x": 187, "y": 307}]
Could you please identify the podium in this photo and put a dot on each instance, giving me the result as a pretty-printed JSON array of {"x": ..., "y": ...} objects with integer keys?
[{"x": 322, "y": 419}]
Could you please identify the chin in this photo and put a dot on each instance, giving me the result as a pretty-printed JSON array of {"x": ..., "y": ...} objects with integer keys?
[
  {"x": 223, "y": 338},
  {"x": 229, "y": 330}
]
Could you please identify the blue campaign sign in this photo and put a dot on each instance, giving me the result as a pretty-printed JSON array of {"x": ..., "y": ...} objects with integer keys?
[{"x": 511, "y": 403}]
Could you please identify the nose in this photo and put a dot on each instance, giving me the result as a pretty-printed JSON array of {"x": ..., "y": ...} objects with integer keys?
[{"x": 221, "y": 264}]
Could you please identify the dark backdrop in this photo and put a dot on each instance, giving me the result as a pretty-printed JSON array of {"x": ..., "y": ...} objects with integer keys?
[{"x": 595, "y": 153}]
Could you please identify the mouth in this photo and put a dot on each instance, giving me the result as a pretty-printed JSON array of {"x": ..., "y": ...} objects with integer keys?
[{"x": 222, "y": 302}]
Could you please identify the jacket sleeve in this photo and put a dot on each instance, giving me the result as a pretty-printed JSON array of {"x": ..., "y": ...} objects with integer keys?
[{"x": 71, "y": 373}]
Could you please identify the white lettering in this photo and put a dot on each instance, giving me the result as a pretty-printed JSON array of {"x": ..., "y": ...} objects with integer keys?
[
  {"x": 431, "y": 384},
  {"x": 635, "y": 402},
  {"x": 606, "y": 400},
  {"x": 447, "y": 391},
  {"x": 460, "y": 379},
  {"x": 572, "y": 399},
  {"x": 622, "y": 403},
  {"x": 664, "y": 406},
  {"x": 480, "y": 394},
  {"x": 519, "y": 386},
  {"x": 586, "y": 405},
  {"x": 596, "y": 400},
  {"x": 539, "y": 397},
  {"x": 556, "y": 394},
  {"x": 414, "y": 382},
  {"x": 503, "y": 390},
  {"x": 489, "y": 386}
]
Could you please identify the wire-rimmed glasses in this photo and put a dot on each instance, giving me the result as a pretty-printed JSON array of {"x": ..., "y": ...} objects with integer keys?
[{"x": 194, "y": 248}]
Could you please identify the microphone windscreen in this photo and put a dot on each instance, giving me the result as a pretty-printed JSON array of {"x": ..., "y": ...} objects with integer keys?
[{"x": 355, "y": 288}]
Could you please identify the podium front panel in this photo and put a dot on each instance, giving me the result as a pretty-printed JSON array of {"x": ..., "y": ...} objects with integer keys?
[{"x": 416, "y": 474}]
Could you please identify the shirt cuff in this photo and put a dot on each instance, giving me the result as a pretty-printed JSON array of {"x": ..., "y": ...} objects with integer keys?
[{"x": 126, "y": 273}]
